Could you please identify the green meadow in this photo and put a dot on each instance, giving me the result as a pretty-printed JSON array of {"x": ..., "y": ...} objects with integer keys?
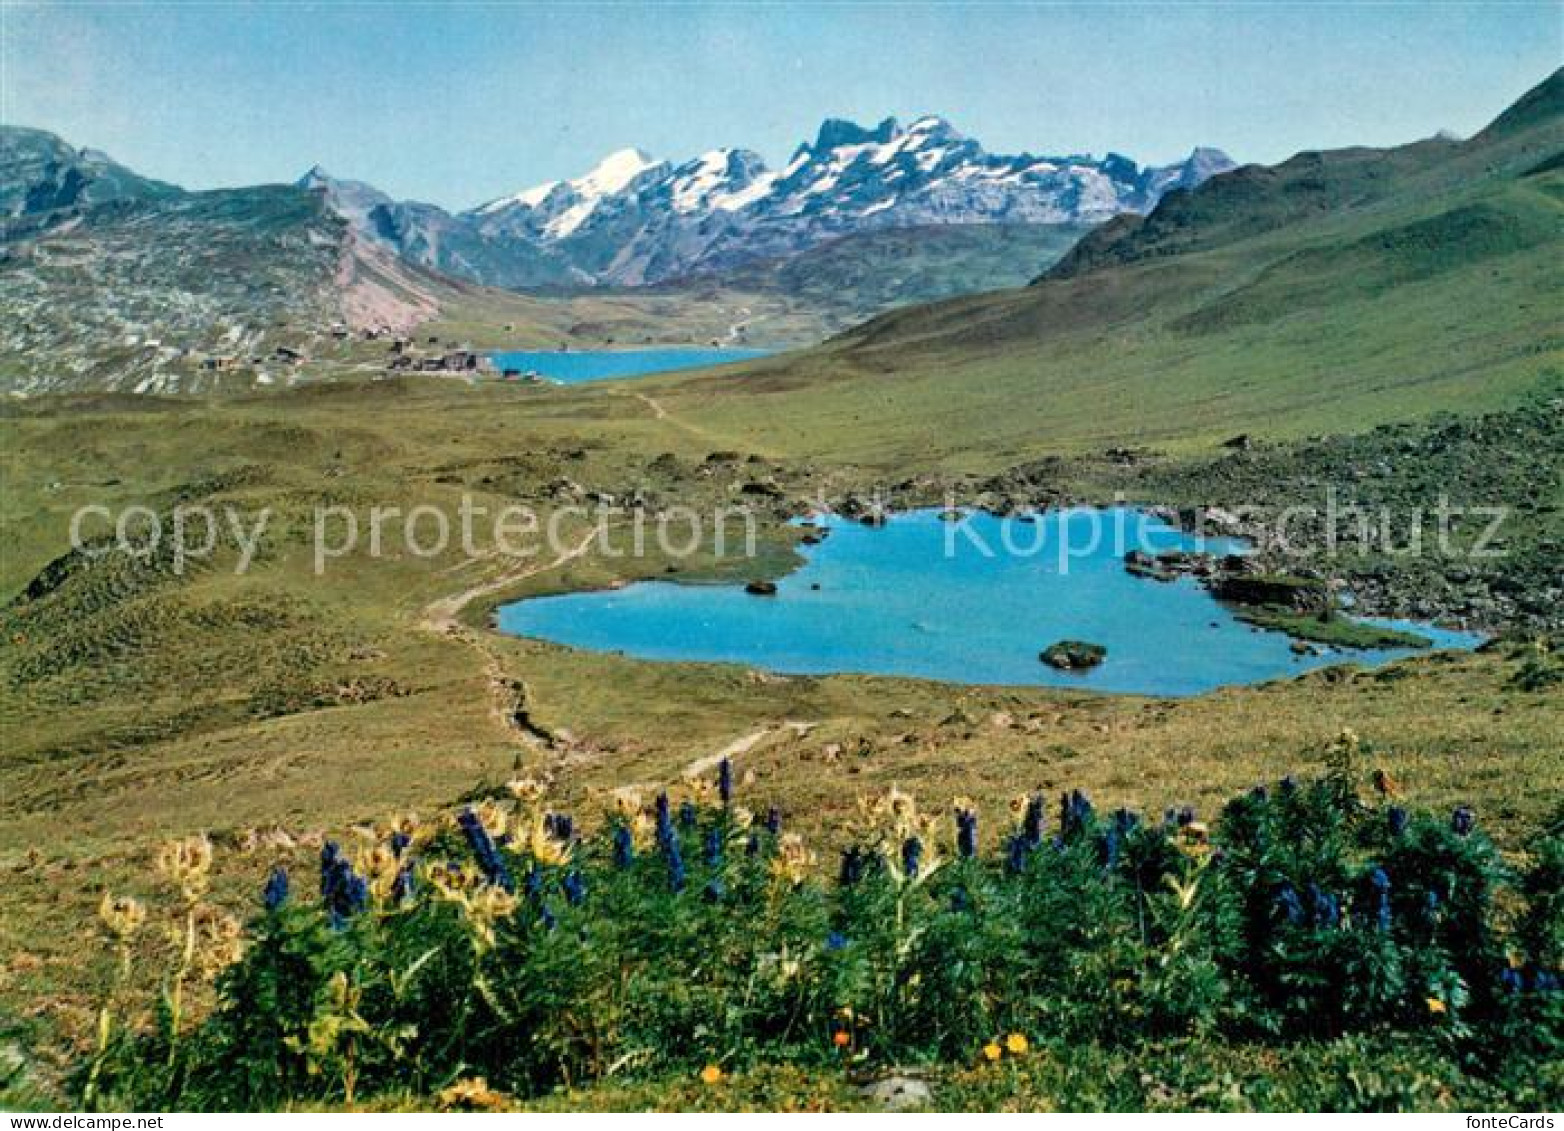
[{"x": 1385, "y": 321}]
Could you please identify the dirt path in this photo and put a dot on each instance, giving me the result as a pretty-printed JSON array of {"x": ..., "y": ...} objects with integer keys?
[
  {"x": 661, "y": 413},
  {"x": 652, "y": 403},
  {"x": 441, "y": 615},
  {"x": 743, "y": 745},
  {"x": 507, "y": 696}
]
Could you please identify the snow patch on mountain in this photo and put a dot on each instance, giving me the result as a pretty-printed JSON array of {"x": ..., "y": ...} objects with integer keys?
[{"x": 634, "y": 220}]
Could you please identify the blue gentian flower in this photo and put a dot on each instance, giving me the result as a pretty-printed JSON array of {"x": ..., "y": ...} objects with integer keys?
[
  {"x": 547, "y": 918},
  {"x": 774, "y": 820},
  {"x": 275, "y": 893},
  {"x": 1075, "y": 813},
  {"x": 343, "y": 893},
  {"x": 532, "y": 886},
  {"x": 1327, "y": 908},
  {"x": 687, "y": 815},
  {"x": 836, "y": 941},
  {"x": 1032, "y": 824},
  {"x": 1186, "y": 816},
  {"x": 725, "y": 780},
  {"x": 405, "y": 886},
  {"x": 966, "y": 834},
  {"x": 1288, "y": 786},
  {"x": 1290, "y": 905},
  {"x": 664, "y": 821},
  {"x": 1396, "y": 817},
  {"x": 1110, "y": 849},
  {"x": 675, "y": 857},
  {"x": 399, "y": 842},
  {"x": 331, "y": 860},
  {"x": 1511, "y": 980},
  {"x": 484, "y": 850},
  {"x": 1380, "y": 882},
  {"x": 1462, "y": 820},
  {"x": 1017, "y": 849},
  {"x": 713, "y": 848},
  {"x": 852, "y": 867},
  {"x": 624, "y": 847},
  {"x": 1545, "y": 982},
  {"x": 911, "y": 856},
  {"x": 574, "y": 885}
]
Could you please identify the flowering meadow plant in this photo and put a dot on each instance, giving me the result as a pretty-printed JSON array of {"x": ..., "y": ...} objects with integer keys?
[{"x": 501, "y": 953}]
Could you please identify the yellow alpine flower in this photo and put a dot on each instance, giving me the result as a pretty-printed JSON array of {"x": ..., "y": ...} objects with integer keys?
[
  {"x": 122, "y": 915},
  {"x": 187, "y": 864},
  {"x": 793, "y": 859},
  {"x": 992, "y": 1051},
  {"x": 494, "y": 818},
  {"x": 219, "y": 941},
  {"x": 526, "y": 790},
  {"x": 1016, "y": 1044},
  {"x": 545, "y": 849},
  {"x": 711, "y": 1074},
  {"x": 379, "y": 866}
]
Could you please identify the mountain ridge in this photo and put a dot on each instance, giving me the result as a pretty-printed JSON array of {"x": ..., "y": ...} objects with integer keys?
[
  {"x": 1277, "y": 301},
  {"x": 633, "y": 220}
]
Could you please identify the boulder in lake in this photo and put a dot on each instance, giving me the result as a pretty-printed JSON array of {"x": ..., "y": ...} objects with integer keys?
[
  {"x": 761, "y": 588},
  {"x": 1073, "y": 655}
]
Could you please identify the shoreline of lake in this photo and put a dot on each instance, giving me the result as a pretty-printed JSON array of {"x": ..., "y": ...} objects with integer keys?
[
  {"x": 896, "y": 637},
  {"x": 579, "y": 367}
]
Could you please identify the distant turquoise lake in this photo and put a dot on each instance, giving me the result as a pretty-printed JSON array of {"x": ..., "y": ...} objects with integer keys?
[
  {"x": 573, "y": 367},
  {"x": 892, "y": 601}
]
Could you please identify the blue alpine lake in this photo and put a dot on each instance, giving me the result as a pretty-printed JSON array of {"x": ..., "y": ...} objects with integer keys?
[
  {"x": 954, "y": 601},
  {"x": 573, "y": 367}
]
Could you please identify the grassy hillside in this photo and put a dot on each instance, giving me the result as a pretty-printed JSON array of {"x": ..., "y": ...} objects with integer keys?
[
  {"x": 1334, "y": 292},
  {"x": 852, "y": 279}
]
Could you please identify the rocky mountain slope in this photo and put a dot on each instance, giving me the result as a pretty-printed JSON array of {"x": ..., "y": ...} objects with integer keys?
[
  {"x": 111, "y": 280},
  {"x": 632, "y": 220}
]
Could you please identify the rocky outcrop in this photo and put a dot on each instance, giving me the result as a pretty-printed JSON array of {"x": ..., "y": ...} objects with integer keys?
[
  {"x": 1283, "y": 591},
  {"x": 1073, "y": 655}
]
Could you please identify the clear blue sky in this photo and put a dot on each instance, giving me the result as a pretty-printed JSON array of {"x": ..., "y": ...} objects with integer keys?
[{"x": 460, "y": 102}]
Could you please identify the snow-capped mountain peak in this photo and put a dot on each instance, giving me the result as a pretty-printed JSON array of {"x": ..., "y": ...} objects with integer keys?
[
  {"x": 614, "y": 172},
  {"x": 631, "y": 219},
  {"x": 720, "y": 180},
  {"x": 571, "y": 202}
]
